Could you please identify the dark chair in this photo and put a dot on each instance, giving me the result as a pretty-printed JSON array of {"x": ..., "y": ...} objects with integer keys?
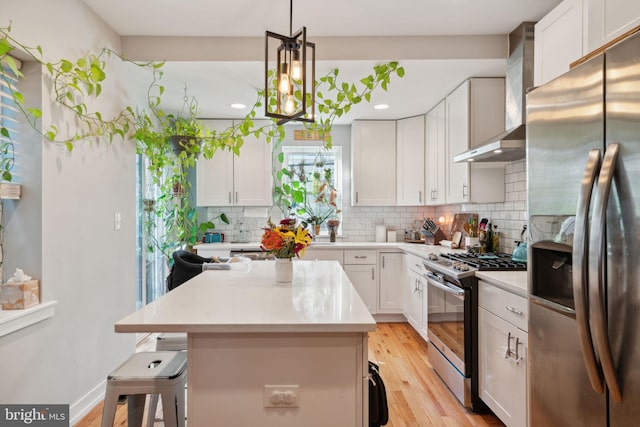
[{"x": 186, "y": 265}]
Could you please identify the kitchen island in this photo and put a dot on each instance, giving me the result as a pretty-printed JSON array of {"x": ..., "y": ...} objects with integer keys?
[{"x": 266, "y": 354}]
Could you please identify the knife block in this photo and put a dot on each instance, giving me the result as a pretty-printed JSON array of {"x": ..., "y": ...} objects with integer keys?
[{"x": 434, "y": 239}]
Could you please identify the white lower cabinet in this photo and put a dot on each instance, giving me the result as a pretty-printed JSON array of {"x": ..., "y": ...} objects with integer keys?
[
  {"x": 502, "y": 354},
  {"x": 390, "y": 287},
  {"x": 361, "y": 268},
  {"x": 415, "y": 300}
]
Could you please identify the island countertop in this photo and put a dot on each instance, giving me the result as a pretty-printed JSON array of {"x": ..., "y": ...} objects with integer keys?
[{"x": 320, "y": 299}]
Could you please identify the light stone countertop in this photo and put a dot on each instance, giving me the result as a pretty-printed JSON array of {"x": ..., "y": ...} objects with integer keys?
[
  {"x": 320, "y": 299},
  {"x": 511, "y": 281}
]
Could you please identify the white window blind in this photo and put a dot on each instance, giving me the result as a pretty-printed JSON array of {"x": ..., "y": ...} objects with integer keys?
[{"x": 9, "y": 114}]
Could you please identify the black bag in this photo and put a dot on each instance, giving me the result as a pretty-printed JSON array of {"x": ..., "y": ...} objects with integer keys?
[{"x": 378, "y": 409}]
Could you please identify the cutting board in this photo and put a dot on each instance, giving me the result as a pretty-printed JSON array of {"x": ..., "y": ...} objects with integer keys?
[{"x": 460, "y": 224}]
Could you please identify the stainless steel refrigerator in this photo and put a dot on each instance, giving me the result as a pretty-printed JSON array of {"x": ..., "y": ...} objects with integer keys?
[{"x": 583, "y": 165}]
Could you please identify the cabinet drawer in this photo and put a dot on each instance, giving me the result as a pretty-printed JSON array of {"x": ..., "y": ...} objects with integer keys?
[
  {"x": 324, "y": 255},
  {"x": 414, "y": 262},
  {"x": 360, "y": 257},
  {"x": 510, "y": 307}
]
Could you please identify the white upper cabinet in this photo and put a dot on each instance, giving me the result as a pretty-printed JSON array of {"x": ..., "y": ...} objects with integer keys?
[
  {"x": 373, "y": 163},
  {"x": 607, "y": 19},
  {"x": 435, "y": 156},
  {"x": 230, "y": 180},
  {"x": 474, "y": 112},
  {"x": 410, "y": 161},
  {"x": 558, "y": 41}
]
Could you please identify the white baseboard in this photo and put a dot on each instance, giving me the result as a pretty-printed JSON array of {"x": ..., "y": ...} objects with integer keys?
[
  {"x": 389, "y": 318},
  {"x": 79, "y": 409}
]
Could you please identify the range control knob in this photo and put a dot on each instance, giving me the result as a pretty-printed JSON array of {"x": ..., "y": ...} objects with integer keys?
[
  {"x": 460, "y": 266},
  {"x": 433, "y": 256}
]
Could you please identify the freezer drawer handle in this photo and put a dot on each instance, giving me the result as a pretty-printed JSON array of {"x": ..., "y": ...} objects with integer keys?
[
  {"x": 580, "y": 265},
  {"x": 597, "y": 275}
]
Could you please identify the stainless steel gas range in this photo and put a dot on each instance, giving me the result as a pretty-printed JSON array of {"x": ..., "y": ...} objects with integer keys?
[{"x": 453, "y": 317}]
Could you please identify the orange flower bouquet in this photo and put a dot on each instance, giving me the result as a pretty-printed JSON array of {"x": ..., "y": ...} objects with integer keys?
[{"x": 285, "y": 240}]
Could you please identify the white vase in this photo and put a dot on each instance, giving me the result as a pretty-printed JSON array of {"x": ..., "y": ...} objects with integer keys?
[{"x": 284, "y": 270}]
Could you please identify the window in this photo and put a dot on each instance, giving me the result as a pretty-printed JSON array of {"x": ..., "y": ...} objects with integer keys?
[
  {"x": 319, "y": 171},
  {"x": 8, "y": 119},
  {"x": 151, "y": 265}
]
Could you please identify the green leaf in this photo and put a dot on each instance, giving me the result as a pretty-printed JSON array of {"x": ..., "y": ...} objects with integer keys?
[
  {"x": 97, "y": 74},
  {"x": 50, "y": 67},
  {"x": 69, "y": 146},
  {"x": 281, "y": 157},
  {"x": 223, "y": 218},
  {"x": 5, "y": 47},
  {"x": 367, "y": 96},
  {"x": 18, "y": 97},
  {"x": 400, "y": 72},
  {"x": 66, "y": 66},
  {"x": 6, "y": 176},
  {"x": 4, "y": 132},
  {"x": 12, "y": 64}
]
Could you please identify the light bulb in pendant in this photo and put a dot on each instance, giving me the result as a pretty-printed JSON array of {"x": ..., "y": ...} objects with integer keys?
[
  {"x": 289, "y": 104},
  {"x": 284, "y": 78},
  {"x": 296, "y": 66}
]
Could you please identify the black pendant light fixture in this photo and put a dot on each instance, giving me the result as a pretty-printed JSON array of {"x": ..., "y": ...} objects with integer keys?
[{"x": 294, "y": 89}]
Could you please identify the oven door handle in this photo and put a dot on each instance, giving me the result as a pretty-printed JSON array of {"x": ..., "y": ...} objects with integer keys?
[{"x": 450, "y": 289}]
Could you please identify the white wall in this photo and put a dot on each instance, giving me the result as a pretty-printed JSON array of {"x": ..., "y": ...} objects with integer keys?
[{"x": 81, "y": 261}]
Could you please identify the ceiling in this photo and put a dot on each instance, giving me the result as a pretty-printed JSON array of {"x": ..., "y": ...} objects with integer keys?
[{"x": 429, "y": 77}]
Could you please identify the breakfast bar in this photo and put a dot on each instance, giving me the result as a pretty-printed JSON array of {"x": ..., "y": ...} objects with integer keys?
[{"x": 261, "y": 353}]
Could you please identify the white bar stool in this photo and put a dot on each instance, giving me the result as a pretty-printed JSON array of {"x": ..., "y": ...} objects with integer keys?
[
  {"x": 165, "y": 342},
  {"x": 156, "y": 372}
]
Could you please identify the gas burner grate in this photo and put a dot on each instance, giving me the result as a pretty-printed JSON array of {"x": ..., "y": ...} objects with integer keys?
[{"x": 488, "y": 262}]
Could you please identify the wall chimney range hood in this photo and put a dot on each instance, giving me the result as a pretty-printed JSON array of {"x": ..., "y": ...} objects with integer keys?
[{"x": 510, "y": 145}]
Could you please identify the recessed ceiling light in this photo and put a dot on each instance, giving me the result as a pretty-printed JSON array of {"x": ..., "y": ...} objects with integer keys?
[
  {"x": 498, "y": 151},
  {"x": 238, "y": 106},
  {"x": 381, "y": 106}
]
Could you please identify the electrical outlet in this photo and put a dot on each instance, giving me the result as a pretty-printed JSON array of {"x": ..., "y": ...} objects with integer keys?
[
  {"x": 117, "y": 221},
  {"x": 281, "y": 396}
]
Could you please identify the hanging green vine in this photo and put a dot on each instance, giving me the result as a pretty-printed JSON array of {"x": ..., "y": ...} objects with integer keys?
[{"x": 75, "y": 82}]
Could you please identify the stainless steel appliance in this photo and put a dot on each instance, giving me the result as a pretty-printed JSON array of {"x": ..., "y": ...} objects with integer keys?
[
  {"x": 452, "y": 318},
  {"x": 583, "y": 159},
  {"x": 510, "y": 144}
]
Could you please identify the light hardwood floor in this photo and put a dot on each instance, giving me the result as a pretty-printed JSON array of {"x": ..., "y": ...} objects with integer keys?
[{"x": 416, "y": 395}]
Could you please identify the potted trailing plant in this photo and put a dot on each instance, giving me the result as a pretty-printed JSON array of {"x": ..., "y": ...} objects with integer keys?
[{"x": 184, "y": 131}]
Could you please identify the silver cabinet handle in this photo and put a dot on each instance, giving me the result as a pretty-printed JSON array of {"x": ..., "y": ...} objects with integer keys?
[
  {"x": 383, "y": 262},
  {"x": 356, "y": 197},
  {"x": 517, "y": 356},
  {"x": 229, "y": 197},
  {"x": 580, "y": 290},
  {"x": 514, "y": 310},
  {"x": 420, "y": 196},
  {"x": 373, "y": 273},
  {"x": 597, "y": 275},
  {"x": 360, "y": 257},
  {"x": 464, "y": 190},
  {"x": 236, "y": 197}
]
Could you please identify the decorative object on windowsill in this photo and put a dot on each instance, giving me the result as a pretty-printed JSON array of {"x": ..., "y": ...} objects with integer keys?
[
  {"x": 285, "y": 241},
  {"x": 294, "y": 87},
  {"x": 10, "y": 191},
  {"x": 20, "y": 291},
  {"x": 332, "y": 225}
]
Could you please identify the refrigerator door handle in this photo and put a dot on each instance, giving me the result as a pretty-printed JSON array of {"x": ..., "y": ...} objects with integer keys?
[
  {"x": 597, "y": 261},
  {"x": 580, "y": 265}
]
